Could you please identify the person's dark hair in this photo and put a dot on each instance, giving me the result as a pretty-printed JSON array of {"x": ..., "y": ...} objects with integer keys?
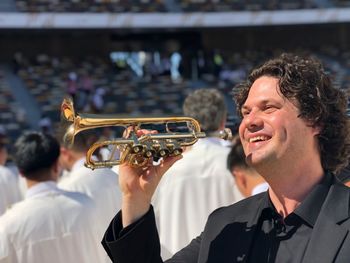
[
  {"x": 236, "y": 157},
  {"x": 207, "y": 106},
  {"x": 34, "y": 152},
  {"x": 303, "y": 81}
]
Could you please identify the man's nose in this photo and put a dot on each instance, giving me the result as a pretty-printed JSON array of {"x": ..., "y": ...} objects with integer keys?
[{"x": 253, "y": 121}]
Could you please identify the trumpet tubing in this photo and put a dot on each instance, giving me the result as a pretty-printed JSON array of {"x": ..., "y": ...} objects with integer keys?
[{"x": 137, "y": 151}]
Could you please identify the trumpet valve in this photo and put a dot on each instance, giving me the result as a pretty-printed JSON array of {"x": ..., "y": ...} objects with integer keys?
[
  {"x": 137, "y": 148},
  {"x": 148, "y": 154},
  {"x": 163, "y": 152},
  {"x": 175, "y": 147},
  {"x": 177, "y": 152},
  {"x": 148, "y": 150},
  {"x": 161, "y": 148}
]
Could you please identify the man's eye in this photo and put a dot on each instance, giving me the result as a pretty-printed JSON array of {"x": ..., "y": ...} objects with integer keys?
[
  {"x": 270, "y": 108},
  {"x": 245, "y": 113}
]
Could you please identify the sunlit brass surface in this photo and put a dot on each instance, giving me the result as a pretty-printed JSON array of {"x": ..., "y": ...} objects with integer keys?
[{"x": 137, "y": 151}]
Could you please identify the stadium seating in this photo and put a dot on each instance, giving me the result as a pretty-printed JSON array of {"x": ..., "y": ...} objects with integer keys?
[
  {"x": 12, "y": 115},
  {"x": 128, "y": 94},
  {"x": 90, "y": 6}
]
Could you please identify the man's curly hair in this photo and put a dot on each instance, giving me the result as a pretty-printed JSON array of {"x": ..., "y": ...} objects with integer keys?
[{"x": 304, "y": 81}]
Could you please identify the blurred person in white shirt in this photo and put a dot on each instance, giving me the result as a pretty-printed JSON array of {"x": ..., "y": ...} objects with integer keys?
[
  {"x": 10, "y": 192},
  {"x": 49, "y": 225},
  {"x": 99, "y": 184},
  {"x": 198, "y": 183}
]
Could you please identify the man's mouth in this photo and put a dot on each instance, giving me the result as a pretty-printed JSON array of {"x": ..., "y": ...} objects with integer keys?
[{"x": 259, "y": 139}]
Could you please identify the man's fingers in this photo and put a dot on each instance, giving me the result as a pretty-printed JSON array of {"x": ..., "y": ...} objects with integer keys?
[{"x": 144, "y": 131}]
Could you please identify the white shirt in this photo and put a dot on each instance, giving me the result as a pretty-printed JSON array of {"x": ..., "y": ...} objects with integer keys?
[
  {"x": 10, "y": 192},
  {"x": 99, "y": 184},
  {"x": 219, "y": 141},
  {"x": 50, "y": 225},
  {"x": 190, "y": 190},
  {"x": 260, "y": 188}
]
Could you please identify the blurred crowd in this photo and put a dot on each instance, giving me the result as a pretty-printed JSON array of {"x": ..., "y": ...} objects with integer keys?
[{"x": 135, "y": 83}]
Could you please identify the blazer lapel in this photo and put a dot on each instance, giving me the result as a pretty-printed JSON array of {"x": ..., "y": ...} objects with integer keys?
[
  {"x": 328, "y": 234},
  {"x": 232, "y": 242},
  {"x": 250, "y": 229}
]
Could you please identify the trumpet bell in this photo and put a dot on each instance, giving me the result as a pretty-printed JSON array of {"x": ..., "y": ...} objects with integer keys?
[{"x": 67, "y": 109}]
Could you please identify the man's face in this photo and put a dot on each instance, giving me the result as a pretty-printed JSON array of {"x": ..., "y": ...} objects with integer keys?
[{"x": 271, "y": 130}]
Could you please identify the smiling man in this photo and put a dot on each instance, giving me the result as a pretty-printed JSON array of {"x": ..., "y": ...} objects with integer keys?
[{"x": 295, "y": 133}]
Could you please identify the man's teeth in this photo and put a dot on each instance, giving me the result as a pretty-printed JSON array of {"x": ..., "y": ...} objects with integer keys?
[{"x": 258, "y": 138}]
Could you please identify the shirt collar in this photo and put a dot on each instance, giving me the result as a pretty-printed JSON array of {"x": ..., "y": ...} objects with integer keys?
[
  {"x": 310, "y": 208},
  {"x": 42, "y": 189},
  {"x": 260, "y": 188}
]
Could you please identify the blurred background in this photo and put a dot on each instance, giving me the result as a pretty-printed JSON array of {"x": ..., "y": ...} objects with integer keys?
[{"x": 142, "y": 57}]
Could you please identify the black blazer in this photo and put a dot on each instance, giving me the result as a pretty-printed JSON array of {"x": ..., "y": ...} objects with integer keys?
[{"x": 229, "y": 233}]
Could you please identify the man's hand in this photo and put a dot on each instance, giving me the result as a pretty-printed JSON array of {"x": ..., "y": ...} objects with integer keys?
[{"x": 138, "y": 185}]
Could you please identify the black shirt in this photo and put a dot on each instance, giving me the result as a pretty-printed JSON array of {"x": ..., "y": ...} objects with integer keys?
[{"x": 285, "y": 240}]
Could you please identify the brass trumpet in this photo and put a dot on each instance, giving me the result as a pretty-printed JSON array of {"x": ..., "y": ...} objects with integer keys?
[{"x": 137, "y": 151}]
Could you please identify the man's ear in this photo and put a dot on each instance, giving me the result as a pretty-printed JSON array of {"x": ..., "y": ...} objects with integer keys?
[
  {"x": 239, "y": 175},
  {"x": 65, "y": 154},
  {"x": 317, "y": 130},
  {"x": 64, "y": 151},
  {"x": 241, "y": 180}
]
